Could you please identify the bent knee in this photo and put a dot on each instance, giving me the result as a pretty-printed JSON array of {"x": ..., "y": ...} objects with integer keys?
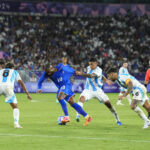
[{"x": 82, "y": 99}]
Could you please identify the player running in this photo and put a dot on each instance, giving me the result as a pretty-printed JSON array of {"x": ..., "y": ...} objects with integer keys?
[
  {"x": 61, "y": 75},
  {"x": 123, "y": 70},
  {"x": 8, "y": 76},
  {"x": 93, "y": 88},
  {"x": 138, "y": 91},
  {"x": 147, "y": 76}
]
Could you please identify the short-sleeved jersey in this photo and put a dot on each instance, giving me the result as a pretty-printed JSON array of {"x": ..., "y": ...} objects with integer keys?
[
  {"x": 9, "y": 76},
  {"x": 122, "y": 79},
  {"x": 60, "y": 78},
  {"x": 123, "y": 70},
  {"x": 147, "y": 77},
  {"x": 94, "y": 83}
]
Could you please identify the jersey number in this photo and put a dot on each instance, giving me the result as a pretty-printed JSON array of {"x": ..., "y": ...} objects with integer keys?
[
  {"x": 5, "y": 73},
  {"x": 59, "y": 79}
]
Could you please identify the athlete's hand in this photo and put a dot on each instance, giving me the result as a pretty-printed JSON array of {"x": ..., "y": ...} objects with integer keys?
[
  {"x": 121, "y": 97},
  {"x": 29, "y": 97},
  {"x": 39, "y": 91},
  {"x": 78, "y": 73},
  {"x": 109, "y": 82}
]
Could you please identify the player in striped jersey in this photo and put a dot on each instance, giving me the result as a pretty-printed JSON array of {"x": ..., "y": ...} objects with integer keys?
[
  {"x": 8, "y": 76},
  {"x": 138, "y": 91},
  {"x": 123, "y": 70},
  {"x": 93, "y": 88}
]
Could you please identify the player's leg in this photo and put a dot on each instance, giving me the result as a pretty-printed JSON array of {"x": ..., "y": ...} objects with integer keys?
[
  {"x": 134, "y": 106},
  {"x": 147, "y": 107},
  {"x": 119, "y": 102},
  {"x": 11, "y": 99},
  {"x": 15, "y": 114},
  {"x": 80, "y": 110},
  {"x": 85, "y": 96},
  {"x": 60, "y": 97},
  {"x": 101, "y": 96}
]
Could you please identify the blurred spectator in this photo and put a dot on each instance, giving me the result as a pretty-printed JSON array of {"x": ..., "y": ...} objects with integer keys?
[{"x": 31, "y": 42}]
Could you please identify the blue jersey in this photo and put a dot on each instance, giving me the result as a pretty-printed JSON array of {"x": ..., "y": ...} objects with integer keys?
[{"x": 61, "y": 78}]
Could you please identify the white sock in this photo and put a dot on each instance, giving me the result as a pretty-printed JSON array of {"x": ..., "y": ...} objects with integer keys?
[
  {"x": 114, "y": 113},
  {"x": 16, "y": 115},
  {"x": 141, "y": 114},
  {"x": 81, "y": 104},
  {"x": 129, "y": 98},
  {"x": 120, "y": 94}
]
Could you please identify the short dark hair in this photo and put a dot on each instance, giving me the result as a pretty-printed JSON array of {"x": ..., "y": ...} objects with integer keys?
[
  {"x": 111, "y": 70},
  {"x": 9, "y": 65},
  {"x": 2, "y": 62},
  {"x": 92, "y": 60}
]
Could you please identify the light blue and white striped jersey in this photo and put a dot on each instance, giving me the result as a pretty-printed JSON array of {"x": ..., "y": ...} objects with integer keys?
[
  {"x": 94, "y": 83},
  {"x": 122, "y": 78},
  {"x": 123, "y": 70},
  {"x": 9, "y": 76}
]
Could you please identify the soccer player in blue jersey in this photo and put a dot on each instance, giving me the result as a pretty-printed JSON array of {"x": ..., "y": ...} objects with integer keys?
[
  {"x": 61, "y": 75},
  {"x": 8, "y": 76}
]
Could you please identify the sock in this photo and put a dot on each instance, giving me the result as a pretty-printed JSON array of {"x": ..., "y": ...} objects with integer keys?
[
  {"x": 129, "y": 99},
  {"x": 81, "y": 104},
  {"x": 120, "y": 94},
  {"x": 113, "y": 111},
  {"x": 141, "y": 114},
  {"x": 79, "y": 109},
  {"x": 64, "y": 107},
  {"x": 16, "y": 115}
]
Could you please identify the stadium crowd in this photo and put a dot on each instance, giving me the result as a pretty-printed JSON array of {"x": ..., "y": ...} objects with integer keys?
[{"x": 33, "y": 41}]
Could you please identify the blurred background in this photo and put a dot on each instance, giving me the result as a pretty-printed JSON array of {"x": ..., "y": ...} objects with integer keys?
[{"x": 35, "y": 33}]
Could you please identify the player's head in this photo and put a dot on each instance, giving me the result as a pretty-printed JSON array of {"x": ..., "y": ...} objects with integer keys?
[
  {"x": 10, "y": 65},
  {"x": 2, "y": 64},
  {"x": 112, "y": 74},
  {"x": 64, "y": 59},
  {"x": 93, "y": 63},
  {"x": 125, "y": 63},
  {"x": 48, "y": 69}
]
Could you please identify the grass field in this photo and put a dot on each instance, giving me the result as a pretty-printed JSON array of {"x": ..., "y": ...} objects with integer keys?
[{"x": 41, "y": 132}]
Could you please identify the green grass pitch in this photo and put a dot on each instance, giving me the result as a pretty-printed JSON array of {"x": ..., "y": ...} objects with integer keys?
[{"x": 41, "y": 131}]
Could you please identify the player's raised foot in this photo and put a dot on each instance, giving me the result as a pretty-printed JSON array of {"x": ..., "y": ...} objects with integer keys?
[
  {"x": 146, "y": 125},
  {"x": 119, "y": 103},
  {"x": 78, "y": 118},
  {"x": 65, "y": 119},
  {"x": 119, "y": 123},
  {"x": 87, "y": 120},
  {"x": 18, "y": 126}
]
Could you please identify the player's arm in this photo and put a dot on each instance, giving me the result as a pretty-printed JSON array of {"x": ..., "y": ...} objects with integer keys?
[
  {"x": 147, "y": 77},
  {"x": 86, "y": 74},
  {"x": 24, "y": 88},
  {"x": 109, "y": 82},
  {"x": 41, "y": 80},
  {"x": 129, "y": 84}
]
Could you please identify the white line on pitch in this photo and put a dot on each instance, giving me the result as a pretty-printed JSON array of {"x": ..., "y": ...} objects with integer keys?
[{"x": 75, "y": 137}]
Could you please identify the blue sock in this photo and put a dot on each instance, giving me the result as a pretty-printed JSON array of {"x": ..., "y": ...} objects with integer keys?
[
  {"x": 64, "y": 107},
  {"x": 79, "y": 109}
]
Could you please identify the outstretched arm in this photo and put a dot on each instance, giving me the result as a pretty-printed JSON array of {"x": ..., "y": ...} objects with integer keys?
[
  {"x": 109, "y": 82},
  {"x": 24, "y": 88},
  {"x": 42, "y": 78},
  {"x": 86, "y": 74}
]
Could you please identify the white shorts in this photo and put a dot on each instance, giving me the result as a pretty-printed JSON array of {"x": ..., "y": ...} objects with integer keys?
[
  {"x": 99, "y": 94},
  {"x": 140, "y": 93},
  {"x": 9, "y": 94}
]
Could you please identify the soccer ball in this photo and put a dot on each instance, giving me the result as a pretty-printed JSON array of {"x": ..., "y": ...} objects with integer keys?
[{"x": 60, "y": 119}]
